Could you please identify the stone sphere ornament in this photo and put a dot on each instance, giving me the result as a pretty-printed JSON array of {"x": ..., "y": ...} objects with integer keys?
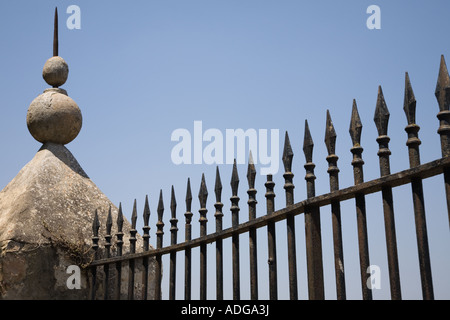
[
  {"x": 54, "y": 117},
  {"x": 55, "y": 71}
]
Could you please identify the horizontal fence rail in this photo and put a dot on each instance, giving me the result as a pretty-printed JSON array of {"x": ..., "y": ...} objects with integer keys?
[{"x": 310, "y": 207}]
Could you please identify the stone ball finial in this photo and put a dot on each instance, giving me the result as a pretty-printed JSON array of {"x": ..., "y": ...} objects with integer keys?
[
  {"x": 54, "y": 117},
  {"x": 55, "y": 71}
]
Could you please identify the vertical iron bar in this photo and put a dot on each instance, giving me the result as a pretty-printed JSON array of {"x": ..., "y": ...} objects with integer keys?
[
  {"x": 235, "y": 237},
  {"x": 271, "y": 238},
  {"x": 202, "y": 196},
  {"x": 413, "y": 143},
  {"x": 133, "y": 232},
  {"x": 442, "y": 94},
  {"x": 312, "y": 226},
  {"x": 108, "y": 238},
  {"x": 119, "y": 243},
  {"x": 360, "y": 201},
  {"x": 381, "y": 119},
  {"x": 219, "y": 243},
  {"x": 146, "y": 239},
  {"x": 173, "y": 241},
  {"x": 159, "y": 245},
  {"x": 290, "y": 221},
  {"x": 188, "y": 236},
  {"x": 95, "y": 238},
  {"x": 333, "y": 171},
  {"x": 251, "y": 174}
]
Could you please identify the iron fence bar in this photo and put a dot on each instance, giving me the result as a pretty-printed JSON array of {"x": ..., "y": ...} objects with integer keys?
[
  {"x": 132, "y": 240},
  {"x": 290, "y": 221},
  {"x": 173, "y": 241},
  {"x": 202, "y": 196},
  {"x": 413, "y": 143},
  {"x": 188, "y": 236},
  {"x": 271, "y": 239},
  {"x": 235, "y": 236},
  {"x": 95, "y": 239},
  {"x": 381, "y": 119},
  {"x": 360, "y": 201},
  {"x": 423, "y": 171},
  {"x": 312, "y": 226},
  {"x": 442, "y": 94},
  {"x": 219, "y": 245},
  {"x": 251, "y": 175},
  {"x": 108, "y": 238},
  {"x": 119, "y": 244},
  {"x": 146, "y": 241},
  {"x": 333, "y": 171},
  {"x": 159, "y": 245}
]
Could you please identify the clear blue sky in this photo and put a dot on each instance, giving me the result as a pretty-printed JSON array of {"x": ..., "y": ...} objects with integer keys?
[{"x": 141, "y": 69}]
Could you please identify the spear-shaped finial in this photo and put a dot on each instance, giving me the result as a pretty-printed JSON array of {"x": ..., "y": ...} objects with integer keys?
[
  {"x": 173, "y": 202},
  {"x": 146, "y": 213},
  {"x": 95, "y": 224},
  {"x": 251, "y": 171},
  {"x": 218, "y": 186},
  {"x": 134, "y": 216},
  {"x": 308, "y": 143},
  {"x": 109, "y": 222},
  {"x": 120, "y": 219},
  {"x": 234, "y": 179},
  {"x": 382, "y": 114},
  {"x": 55, "y": 34},
  {"x": 330, "y": 135},
  {"x": 203, "y": 192},
  {"x": 409, "y": 102},
  {"x": 443, "y": 86},
  {"x": 287, "y": 154},
  {"x": 355, "y": 125}
]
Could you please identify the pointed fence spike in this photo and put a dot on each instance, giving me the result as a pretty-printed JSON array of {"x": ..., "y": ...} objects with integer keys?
[
  {"x": 234, "y": 179},
  {"x": 55, "y": 34},
  {"x": 203, "y": 192},
  {"x": 173, "y": 203},
  {"x": 251, "y": 172},
  {"x": 160, "y": 208},
  {"x": 109, "y": 222},
  {"x": 134, "y": 216},
  {"x": 218, "y": 186},
  {"x": 95, "y": 224},
  {"x": 120, "y": 219},
  {"x": 188, "y": 195},
  {"x": 330, "y": 135},
  {"x": 355, "y": 125},
  {"x": 287, "y": 154},
  {"x": 146, "y": 213},
  {"x": 381, "y": 116},
  {"x": 409, "y": 102},
  {"x": 443, "y": 86},
  {"x": 308, "y": 143}
]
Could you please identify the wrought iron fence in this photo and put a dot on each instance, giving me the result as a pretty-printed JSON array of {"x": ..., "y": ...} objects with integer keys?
[{"x": 310, "y": 207}]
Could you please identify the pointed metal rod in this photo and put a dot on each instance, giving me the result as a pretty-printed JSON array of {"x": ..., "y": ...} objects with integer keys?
[
  {"x": 188, "y": 236},
  {"x": 131, "y": 268},
  {"x": 219, "y": 242},
  {"x": 146, "y": 238},
  {"x": 360, "y": 200},
  {"x": 173, "y": 241},
  {"x": 235, "y": 238},
  {"x": 251, "y": 175},
  {"x": 203, "y": 196},
  {"x": 55, "y": 34},
  {"x": 413, "y": 143},
  {"x": 271, "y": 239}
]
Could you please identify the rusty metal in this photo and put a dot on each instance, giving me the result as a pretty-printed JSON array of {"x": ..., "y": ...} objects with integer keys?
[
  {"x": 271, "y": 239},
  {"x": 413, "y": 143},
  {"x": 202, "y": 197},
  {"x": 133, "y": 232},
  {"x": 95, "y": 239},
  {"x": 108, "y": 238},
  {"x": 219, "y": 244},
  {"x": 55, "y": 33},
  {"x": 159, "y": 245},
  {"x": 360, "y": 201},
  {"x": 188, "y": 236},
  {"x": 442, "y": 94},
  {"x": 251, "y": 175},
  {"x": 119, "y": 245},
  {"x": 146, "y": 240},
  {"x": 312, "y": 226},
  {"x": 173, "y": 241},
  {"x": 235, "y": 238},
  {"x": 381, "y": 119},
  {"x": 290, "y": 222},
  {"x": 333, "y": 171}
]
